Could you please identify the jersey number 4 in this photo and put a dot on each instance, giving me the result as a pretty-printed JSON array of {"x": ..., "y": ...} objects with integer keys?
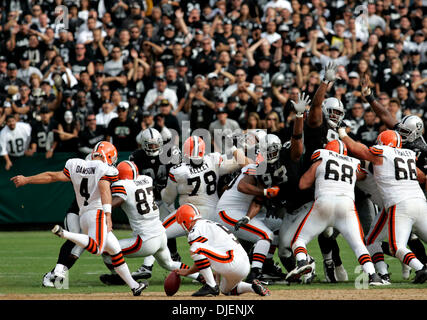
[
  {"x": 210, "y": 180},
  {"x": 334, "y": 172}
]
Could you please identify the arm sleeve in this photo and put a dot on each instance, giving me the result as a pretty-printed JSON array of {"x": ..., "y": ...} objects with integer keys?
[
  {"x": 170, "y": 193},
  {"x": 118, "y": 190}
]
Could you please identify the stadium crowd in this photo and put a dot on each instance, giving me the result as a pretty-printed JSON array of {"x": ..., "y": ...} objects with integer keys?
[{"x": 99, "y": 70}]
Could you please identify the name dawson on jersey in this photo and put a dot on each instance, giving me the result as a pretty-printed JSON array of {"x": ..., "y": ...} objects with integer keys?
[{"x": 84, "y": 170}]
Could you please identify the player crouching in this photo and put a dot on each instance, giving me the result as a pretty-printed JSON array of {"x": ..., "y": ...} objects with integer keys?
[{"x": 214, "y": 247}]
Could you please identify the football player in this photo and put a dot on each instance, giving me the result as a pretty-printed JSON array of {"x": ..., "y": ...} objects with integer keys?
[
  {"x": 69, "y": 252},
  {"x": 148, "y": 161},
  {"x": 334, "y": 175},
  {"x": 411, "y": 129},
  {"x": 240, "y": 204},
  {"x": 195, "y": 181},
  {"x": 134, "y": 194},
  {"x": 323, "y": 120},
  {"x": 214, "y": 247},
  {"x": 91, "y": 181},
  {"x": 398, "y": 180}
]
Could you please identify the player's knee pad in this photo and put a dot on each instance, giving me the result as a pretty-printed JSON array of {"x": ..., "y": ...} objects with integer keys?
[{"x": 72, "y": 222}]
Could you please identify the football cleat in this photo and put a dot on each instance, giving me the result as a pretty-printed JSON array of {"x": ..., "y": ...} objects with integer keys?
[
  {"x": 341, "y": 274},
  {"x": 255, "y": 273},
  {"x": 303, "y": 267},
  {"x": 309, "y": 277},
  {"x": 48, "y": 280},
  {"x": 260, "y": 289},
  {"x": 329, "y": 270},
  {"x": 58, "y": 231},
  {"x": 111, "y": 279},
  {"x": 420, "y": 275},
  {"x": 271, "y": 271},
  {"x": 143, "y": 272},
  {"x": 207, "y": 291},
  {"x": 375, "y": 280},
  {"x": 137, "y": 291},
  {"x": 386, "y": 278}
]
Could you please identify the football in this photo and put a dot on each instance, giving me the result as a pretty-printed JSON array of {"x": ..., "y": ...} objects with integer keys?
[{"x": 172, "y": 283}]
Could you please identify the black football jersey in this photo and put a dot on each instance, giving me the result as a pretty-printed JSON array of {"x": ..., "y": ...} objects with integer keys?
[{"x": 152, "y": 167}]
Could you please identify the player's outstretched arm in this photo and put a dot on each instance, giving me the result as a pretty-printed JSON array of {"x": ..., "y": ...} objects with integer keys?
[
  {"x": 378, "y": 108},
  {"x": 296, "y": 139},
  {"x": 359, "y": 150},
  {"x": 315, "y": 116},
  {"x": 170, "y": 192},
  {"x": 41, "y": 178}
]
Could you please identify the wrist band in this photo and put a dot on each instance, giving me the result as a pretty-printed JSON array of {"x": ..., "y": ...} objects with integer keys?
[
  {"x": 300, "y": 115},
  {"x": 342, "y": 133},
  {"x": 265, "y": 192},
  {"x": 106, "y": 208},
  {"x": 297, "y": 136},
  {"x": 370, "y": 98}
]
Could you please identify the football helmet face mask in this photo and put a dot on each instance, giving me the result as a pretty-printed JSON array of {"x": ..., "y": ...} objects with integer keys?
[
  {"x": 127, "y": 170},
  {"x": 194, "y": 149},
  {"x": 410, "y": 128},
  {"x": 274, "y": 145},
  {"x": 390, "y": 138},
  {"x": 152, "y": 142},
  {"x": 333, "y": 109},
  {"x": 186, "y": 215},
  {"x": 337, "y": 146},
  {"x": 106, "y": 151}
]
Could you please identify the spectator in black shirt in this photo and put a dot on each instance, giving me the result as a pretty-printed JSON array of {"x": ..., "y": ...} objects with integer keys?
[
  {"x": 200, "y": 104},
  {"x": 42, "y": 134},
  {"x": 205, "y": 60},
  {"x": 368, "y": 132},
  {"x": 171, "y": 121},
  {"x": 91, "y": 135},
  {"x": 123, "y": 130}
]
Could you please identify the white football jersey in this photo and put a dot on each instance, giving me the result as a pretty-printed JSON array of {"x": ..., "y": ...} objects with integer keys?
[
  {"x": 15, "y": 142},
  {"x": 139, "y": 206},
  {"x": 215, "y": 236},
  {"x": 336, "y": 175},
  {"x": 198, "y": 185},
  {"x": 369, "y": 185},
  {"x": 85, "y": 175},
  {"x": 232, "y": 198},
  {"x": 396, "y": 177}
]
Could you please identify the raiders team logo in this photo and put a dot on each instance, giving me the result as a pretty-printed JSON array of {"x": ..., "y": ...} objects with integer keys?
[{"x": 419, "y": 126}]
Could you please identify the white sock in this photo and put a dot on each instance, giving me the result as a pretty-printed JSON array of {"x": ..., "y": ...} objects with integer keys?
[
  {"x": 60, "y": 270},
  {"x": 209, "y": 277},
  {"x": 244, "y": 287},
  {"x": 124, "y": 273}
]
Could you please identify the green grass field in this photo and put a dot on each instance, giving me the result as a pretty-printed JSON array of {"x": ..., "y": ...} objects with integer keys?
[{"x": 26, "y": 256}]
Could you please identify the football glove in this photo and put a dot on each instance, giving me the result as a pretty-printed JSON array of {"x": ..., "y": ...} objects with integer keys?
[
  {"x": 243, "y": 221},
  {"x": 271, "y": 192}
]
